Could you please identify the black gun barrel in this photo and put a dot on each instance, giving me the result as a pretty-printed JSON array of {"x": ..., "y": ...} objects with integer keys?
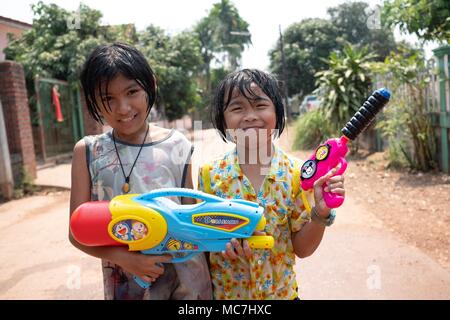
[{"x": 366, "y": 113}]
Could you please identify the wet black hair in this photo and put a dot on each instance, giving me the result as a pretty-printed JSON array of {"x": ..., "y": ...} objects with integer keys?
[
  {"x": 105, "y": 63},
  {"x": 242, "y": 80}
]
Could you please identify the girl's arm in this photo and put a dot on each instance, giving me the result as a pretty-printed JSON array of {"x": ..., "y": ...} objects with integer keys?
[
  {"x": 308, "y": 239},
  {"x": 136, "y": 263}
]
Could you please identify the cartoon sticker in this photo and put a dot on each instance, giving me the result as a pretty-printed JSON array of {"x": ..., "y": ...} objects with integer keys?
[
  {"x": 322, "y": 152},
  {"x": 177, "y": 245},
  {"x": 309, "y": 169},
  {"x": 129, "y": 230}
]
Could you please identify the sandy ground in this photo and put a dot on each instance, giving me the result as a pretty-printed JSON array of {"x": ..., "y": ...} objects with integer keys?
[{"x": 365, "y": 255}]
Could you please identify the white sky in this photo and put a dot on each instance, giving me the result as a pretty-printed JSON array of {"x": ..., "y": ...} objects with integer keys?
[{"x": 264, "y": 17}]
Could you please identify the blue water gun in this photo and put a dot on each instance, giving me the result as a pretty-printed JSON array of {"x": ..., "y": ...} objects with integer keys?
[{"x": 155, "y": 224}]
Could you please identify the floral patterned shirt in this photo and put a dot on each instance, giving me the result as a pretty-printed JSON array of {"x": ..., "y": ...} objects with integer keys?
[{"x": 268, "y": 274}]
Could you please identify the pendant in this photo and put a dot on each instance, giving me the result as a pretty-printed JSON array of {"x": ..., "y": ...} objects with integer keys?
[{"x": 126, "y": 187}]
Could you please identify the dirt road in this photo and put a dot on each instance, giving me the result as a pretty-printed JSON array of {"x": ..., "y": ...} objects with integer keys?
[{"x": 358, "y": 257}]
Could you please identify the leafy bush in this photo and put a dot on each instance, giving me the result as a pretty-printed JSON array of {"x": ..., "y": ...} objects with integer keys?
[{"x": 311, "y": 129}]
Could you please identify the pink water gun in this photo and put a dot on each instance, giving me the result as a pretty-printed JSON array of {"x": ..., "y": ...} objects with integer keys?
[{"x": 331, "y": 154}]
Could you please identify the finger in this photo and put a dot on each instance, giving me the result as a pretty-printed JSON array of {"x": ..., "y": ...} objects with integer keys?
[
  {"x": 230, "y": 254},
  {"x": 164, "y": 258},
  {"x": 259, "y": 233},
  {"x": 335, "y": 185},
  {"x": 340, "y": 191},
  {"x": 247, "y": 250},
  {"x": 324, "y": 178},
  {"x": 155, "y": 267},
  {"x": 237, "y": 247},
  {"x": 336, "y": 179},
  {"x": 146, "y": 278},
  {"x": 151, "y": 274}
]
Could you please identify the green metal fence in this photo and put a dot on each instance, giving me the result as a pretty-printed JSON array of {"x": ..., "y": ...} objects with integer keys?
[{"x": 56, "y": 138}]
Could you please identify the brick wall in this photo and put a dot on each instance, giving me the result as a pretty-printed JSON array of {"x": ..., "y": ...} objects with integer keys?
[{"x": 13, "y": 94}]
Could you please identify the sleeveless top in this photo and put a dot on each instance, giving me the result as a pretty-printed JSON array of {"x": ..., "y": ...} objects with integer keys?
[{"x": 161, "y": 164}]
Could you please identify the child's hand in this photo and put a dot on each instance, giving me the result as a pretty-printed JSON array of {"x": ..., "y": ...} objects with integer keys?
[
  {"x": 147, "y": 267},
  {"x": 334, "y": 184},
  {"x": 235, "y": 250}
]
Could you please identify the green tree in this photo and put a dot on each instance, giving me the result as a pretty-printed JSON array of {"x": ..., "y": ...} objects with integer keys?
[
  {"x": 351, "y": 21},
  {"x": 306, "y": 44},
  {"x": 310, "y": 41},
  {"x": 345, "y": 84},
  {"x": 429, "y": 20},
  {"x": 222, "y": 34},
  {"x": 51, "y": 48},
  {"x": 176, "y": 61},
  {"x": 231, "y": 31}
]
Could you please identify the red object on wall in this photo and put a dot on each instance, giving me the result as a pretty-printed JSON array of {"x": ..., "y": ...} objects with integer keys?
[{"x": 57, "y": 104}]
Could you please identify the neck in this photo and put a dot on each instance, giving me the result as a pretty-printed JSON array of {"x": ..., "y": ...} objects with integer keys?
[{"x": 134, "y": 138}]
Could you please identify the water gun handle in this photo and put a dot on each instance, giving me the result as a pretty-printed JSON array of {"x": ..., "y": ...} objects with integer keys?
[
  {"x": 176, "y": 259},
  {"x": 334, "y": 200}
]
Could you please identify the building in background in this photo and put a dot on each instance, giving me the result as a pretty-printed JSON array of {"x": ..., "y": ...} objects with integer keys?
[{"x": 15, "y": 27}]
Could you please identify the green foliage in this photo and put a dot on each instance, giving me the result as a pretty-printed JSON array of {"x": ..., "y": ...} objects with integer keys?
[
  {"x": 223, "y": 36},
  {"x": 305, "y": 43},
  {"x": 350, "y": 19},
  {"x": 345, "y": 84},
  {"x": 311, "y": 129},
  {"x": 227, "y": 21},
  {"x": 429, "y": 20},
  {"x": 25, "y": 185},
  {"x": 52, "y": 49},
  {"x": 407, "y": 124},
  {"x": 309, "y": 42},
  {"x": 175, "y": 60}
]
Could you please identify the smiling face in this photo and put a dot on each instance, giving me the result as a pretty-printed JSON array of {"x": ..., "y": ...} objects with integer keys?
[
  {"x": 253, "y": 116},
  {"x": 123, "y": 105}
]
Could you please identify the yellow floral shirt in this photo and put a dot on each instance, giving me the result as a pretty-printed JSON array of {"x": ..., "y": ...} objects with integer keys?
[{"x": 268, "y": 274}]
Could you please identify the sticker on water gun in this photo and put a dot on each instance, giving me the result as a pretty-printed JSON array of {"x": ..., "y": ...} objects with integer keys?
[
  {"x": 129, "y": 230},
  {"x": 176, "y": 245},
  {"x": 222, "y": 222},
  {"x": 322, "y": 152},
  {"x": 309, "y": 168}
]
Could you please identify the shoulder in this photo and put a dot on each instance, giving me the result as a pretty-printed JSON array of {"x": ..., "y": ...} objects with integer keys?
[
  {"x": 218, "y": 166},
  {"x": 160, "y": 135},
  {"x": 92, "y": 140},
  {"x": 79, "y": 153},
  {"x": 221, "y": 160}
]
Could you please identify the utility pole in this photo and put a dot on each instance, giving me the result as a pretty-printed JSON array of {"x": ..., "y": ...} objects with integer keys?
[{"x": 285, "y": 80}]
